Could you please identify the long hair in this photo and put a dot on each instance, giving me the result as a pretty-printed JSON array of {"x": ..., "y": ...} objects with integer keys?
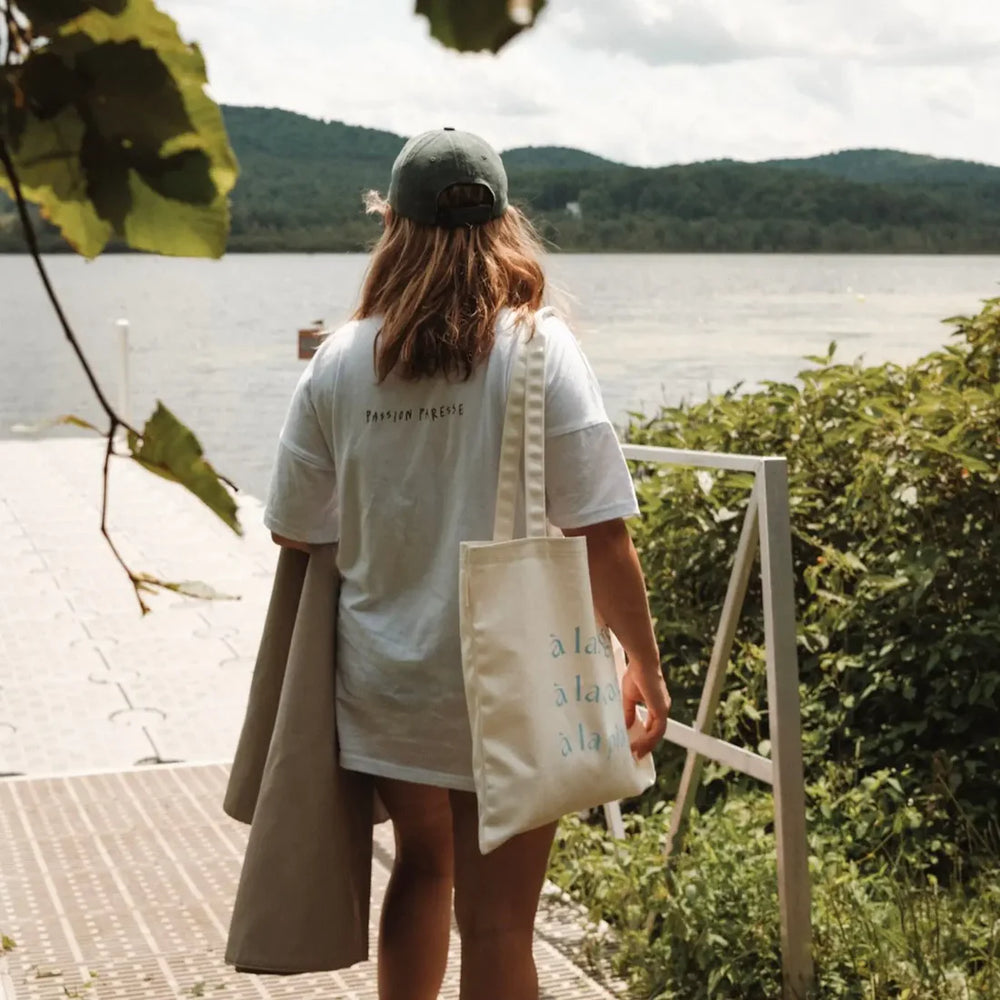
[{"x": 439, "y": 291}]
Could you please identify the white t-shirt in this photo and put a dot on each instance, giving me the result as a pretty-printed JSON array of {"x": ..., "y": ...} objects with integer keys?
[{"x": 401, "y": 472}]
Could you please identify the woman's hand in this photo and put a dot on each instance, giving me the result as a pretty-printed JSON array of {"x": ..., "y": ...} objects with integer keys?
[
  {"x": 646, "y": 687},
  {"x": 620, "y": 599}
]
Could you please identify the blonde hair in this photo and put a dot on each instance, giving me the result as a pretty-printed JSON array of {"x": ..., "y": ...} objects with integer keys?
[{"x": 439, "y": 291}]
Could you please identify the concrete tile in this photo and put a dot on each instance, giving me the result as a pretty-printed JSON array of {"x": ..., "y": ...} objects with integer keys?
[
  {"x": 70, "y": 624},
  {"x": 79, "y": 747},
  {"x": 203, "y": 714},
  {"x": 48, "y": 661},
  {"x": 161, "y": 655}
]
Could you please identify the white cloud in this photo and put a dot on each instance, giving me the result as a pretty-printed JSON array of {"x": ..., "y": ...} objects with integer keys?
[
  {"x": 685, "y": 32},
  {"x": 643, "y": 81}
]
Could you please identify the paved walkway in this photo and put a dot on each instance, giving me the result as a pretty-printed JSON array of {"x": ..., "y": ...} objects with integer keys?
[
  {"x": 85, "y": 682},
  {"x": 120, "y": 885},
  {"x": 116, "y": 878}
]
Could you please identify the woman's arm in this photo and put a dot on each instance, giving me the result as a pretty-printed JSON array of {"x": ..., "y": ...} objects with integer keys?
[
  {"x": 290, "y": 543},
  {"x": 620, "y": 597}
]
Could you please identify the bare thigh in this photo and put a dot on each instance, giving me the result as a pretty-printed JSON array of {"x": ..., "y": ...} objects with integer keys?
[
  {"x": 496, "y": 893},
  {"x": 421, "y": 822}
]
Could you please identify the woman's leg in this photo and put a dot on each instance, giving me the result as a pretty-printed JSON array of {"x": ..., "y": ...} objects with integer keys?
[
  {"x": 496, "y": 897},
  {"x": 416, "y": 912}
]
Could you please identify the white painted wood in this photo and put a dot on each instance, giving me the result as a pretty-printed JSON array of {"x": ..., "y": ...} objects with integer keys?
[
  {"x": 722, "y": 649},
  {"x": 613, "y": 818},
  {"x": 696, "y": 459},
  {"x": 720, "y": 751},
  {"x": 785, "y": 728},
  {"x": 768, "y": 524}
]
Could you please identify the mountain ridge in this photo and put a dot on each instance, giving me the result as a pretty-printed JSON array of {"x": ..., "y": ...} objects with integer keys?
[
  {"x": 302, "y": 181},
  {"x": 883, "y": 163}
]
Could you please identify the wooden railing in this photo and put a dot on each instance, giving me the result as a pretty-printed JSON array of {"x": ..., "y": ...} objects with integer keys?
[{"x": 767, "y": 529}]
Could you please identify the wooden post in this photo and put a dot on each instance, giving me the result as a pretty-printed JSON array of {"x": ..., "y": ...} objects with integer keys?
[
  {"x": 717, "y": 664},
  {"x": 768, "y": 522},
  {"x": 310, "y": 338},
  {"x": 786, "y": 740}
]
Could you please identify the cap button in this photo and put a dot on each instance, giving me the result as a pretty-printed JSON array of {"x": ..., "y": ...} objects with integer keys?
[{"x": 449, "y": 128}]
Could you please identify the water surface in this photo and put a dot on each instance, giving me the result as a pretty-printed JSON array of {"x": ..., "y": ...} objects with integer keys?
[{"x": 216, "y": 339}]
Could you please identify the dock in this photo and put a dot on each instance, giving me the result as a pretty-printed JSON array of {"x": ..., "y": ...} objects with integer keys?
[{"x": 118, "y": 867}]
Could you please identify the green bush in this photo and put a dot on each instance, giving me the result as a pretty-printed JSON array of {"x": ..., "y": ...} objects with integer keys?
[
  {"x": 895, "y": 501},
  {"x": 706, "y": 927},
  {"x": 894, "y": 478}
]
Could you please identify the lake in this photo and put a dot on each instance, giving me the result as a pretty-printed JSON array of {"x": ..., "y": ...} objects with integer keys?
[{"x": 216, "y": 340}]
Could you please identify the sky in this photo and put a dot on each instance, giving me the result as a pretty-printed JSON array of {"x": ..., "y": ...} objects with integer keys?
[{"x": 647, "y": 82}]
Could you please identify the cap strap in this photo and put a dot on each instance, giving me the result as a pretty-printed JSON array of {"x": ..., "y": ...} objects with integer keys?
[{"x": 470, "y": 215}]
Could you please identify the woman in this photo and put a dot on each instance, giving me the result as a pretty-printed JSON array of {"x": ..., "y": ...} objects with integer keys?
[{"x": 391, "y": 445}]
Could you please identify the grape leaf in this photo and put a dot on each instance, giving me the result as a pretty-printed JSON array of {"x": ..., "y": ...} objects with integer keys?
[
  {"x": 170, "y": 449},
  {"x": 66, "y": 419},
  {"x": 472, "y": 27},
  {"x": 111, "y": 132},
  {"x": 47, "y": 16},
  {"x": 189, "y": 588}
]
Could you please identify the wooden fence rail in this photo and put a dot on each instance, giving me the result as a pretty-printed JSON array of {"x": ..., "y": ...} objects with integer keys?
[{"x": 767, "y": 530}]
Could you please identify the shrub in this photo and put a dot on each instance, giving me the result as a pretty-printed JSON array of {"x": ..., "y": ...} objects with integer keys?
[
  {"x": 706, "y": 927},
  {"x": 894, "y": 477},
  {"x": 895, "y": 502}
]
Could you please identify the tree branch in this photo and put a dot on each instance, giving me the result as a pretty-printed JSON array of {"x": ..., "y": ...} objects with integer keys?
[
  {"x": 115, "y": 421},
  {"x": 8, "y": 36},
  {"x": 16, "y": 39},
  {"x": 32, "y": 240},
  {"x": 133, "y": 579}
]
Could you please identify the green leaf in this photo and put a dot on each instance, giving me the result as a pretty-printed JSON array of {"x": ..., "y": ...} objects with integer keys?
[
  {"x": 132, "y": 97},
  {"x": 67, "y": 419},
  {"x": 48, "y": 15},
  {"x": 171, "y": 450},
  {"x": 48, "y": 84},
  {"x": 172, "y": 226},
  {"x": 823, "y": 359},
  {"x": 472, "y": 27},
  {"x": 189, "y": 588},
  {"x": 185, "y": 177},
  {"x": 112, "y": 133},
  {"x": 47, "y": 159}
]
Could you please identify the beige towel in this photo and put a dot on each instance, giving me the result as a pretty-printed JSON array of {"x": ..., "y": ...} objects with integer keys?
[{"x": 303, "y": 897}]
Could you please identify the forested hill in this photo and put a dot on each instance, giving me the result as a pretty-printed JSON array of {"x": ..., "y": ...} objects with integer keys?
[
  {"x": 887, "y": 166},
  {"x": 302, "y": 180}
]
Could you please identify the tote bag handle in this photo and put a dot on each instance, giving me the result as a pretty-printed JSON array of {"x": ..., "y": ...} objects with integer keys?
[{"x": 524, "y": 434}]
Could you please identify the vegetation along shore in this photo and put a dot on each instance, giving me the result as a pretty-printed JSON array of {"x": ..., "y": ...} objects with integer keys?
[
  {"x": 301, "y": 182},
  {"x": 894, "y": 476}
]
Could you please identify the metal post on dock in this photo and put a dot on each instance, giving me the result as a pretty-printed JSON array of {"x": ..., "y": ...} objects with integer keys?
[{"x": 124, "y": 388}]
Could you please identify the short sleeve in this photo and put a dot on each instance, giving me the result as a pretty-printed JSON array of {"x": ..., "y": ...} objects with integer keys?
[
  {"x": 572, "y": 395},
  {"x": 302, "y": 499},
  {"x": 587, "y": 480},
  {"x": 586, "y": 477}
]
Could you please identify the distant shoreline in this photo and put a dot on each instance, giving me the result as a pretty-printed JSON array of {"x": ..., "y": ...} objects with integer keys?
[{"x": 263, "y": 252}]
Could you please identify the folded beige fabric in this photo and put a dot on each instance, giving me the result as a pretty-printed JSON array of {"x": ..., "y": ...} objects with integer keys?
[{"x": 303, "y": 899}]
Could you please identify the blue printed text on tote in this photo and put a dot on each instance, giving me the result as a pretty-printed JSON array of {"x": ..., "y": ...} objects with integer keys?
[{"x": 581, "y": 692}]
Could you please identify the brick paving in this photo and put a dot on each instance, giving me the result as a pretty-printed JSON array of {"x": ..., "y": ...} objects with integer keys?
[{"x": 117, "y": 877}]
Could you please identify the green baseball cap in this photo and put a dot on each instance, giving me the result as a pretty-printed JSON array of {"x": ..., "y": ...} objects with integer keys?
[{"x": 431, "y": 163}]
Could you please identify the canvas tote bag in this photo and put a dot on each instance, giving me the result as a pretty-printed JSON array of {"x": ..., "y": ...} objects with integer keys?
[{"x": 543, "y": 692}]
